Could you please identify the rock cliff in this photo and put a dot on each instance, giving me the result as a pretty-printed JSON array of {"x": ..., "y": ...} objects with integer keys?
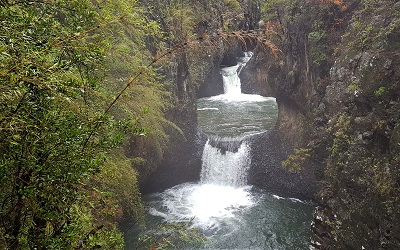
[{"x": 337, "y": 87}]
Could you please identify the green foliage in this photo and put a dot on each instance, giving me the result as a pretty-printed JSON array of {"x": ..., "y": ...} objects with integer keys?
[
  {"x": 362, "y": 182},
  {"x": 343, "y": 137},
  {"x": 234, "y": 4},
  {"x": 354, "y": 87},
  {"x": 309, "y": 22},
  {"x": 172, "y": 236},
  {"x": 181, "y": 21},
  {"x": 272, "y": 9},
  {"x": 380, "y": 91},
  {"x": 76, "y": 79},
  {"x": 316, "y": 36},
  {"x": 295, "y": 162},
  {"x": 176, "y": 17},
  {"x": 318, "y": 40},
  {"x": 57, "y": 74},
  {"x": 83, "y": 230},
  {"x": 383, "y": 182},
  {"x": 318, "y": 57},
  {"x": 365, "y": 33},
  {"x": 119, "y": 179}
]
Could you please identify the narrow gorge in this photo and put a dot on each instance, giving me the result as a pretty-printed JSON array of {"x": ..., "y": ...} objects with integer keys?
[
  {"x": 200, "y": 124},
  {"x": 335, "y": 141},
  {"x": 230, "y": 212}
]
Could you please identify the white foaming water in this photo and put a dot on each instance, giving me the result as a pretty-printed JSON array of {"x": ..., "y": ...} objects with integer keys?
[
  {"x": 207, "y": 204},
  {"x": 207, "y": 109},
  {"x": 225, "y": 168},
  {"x": 233, "y": 86},
  {"x": 239, "y": 97},
  {"x": 291, "y": 199},
  {"x": 231, "y": 214},
  {"x": 231, "y": 80},
  {"x": 244, "y": 60},
  {"x": 221, "y": 191}
]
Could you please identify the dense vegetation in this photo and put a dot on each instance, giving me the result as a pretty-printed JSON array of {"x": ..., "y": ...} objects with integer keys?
[
  {"x": 64, "y": 181},
  {"x": 83, "y": 97},
  {"x": 86, "y": 86},
  {"x": 362, "y": 168}
]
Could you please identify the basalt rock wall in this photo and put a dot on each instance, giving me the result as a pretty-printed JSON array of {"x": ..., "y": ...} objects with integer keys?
[{"x": 337, "y": 81}]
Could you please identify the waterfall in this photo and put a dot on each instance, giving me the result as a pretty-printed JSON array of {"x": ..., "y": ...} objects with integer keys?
[
  {"x": 225, "y": 160},
  {"x": 231, "y": 213},
  {"x": 225, "y": 167},
  {"x": 231, "y": 80},
  {"x": 230, "y": 75},
  {"x": 244, "y": 60}
]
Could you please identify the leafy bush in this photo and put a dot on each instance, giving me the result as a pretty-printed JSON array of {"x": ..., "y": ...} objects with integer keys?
[
  {"x": 296, "y": 161},
  {"x": 57, "y": 128}
]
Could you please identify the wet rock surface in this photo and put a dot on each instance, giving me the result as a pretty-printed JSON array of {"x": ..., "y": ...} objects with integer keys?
[{"x": 268, "y": 150}]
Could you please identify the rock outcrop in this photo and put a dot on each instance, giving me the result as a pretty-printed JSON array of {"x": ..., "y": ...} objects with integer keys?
[{"x": 337, "y": 87}]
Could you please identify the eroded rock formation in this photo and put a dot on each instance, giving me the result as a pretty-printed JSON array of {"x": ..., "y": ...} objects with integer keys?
[{"x": 337, "y": 86}]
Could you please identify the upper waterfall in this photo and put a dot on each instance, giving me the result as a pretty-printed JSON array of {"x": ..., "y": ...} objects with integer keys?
[
  {"x": 231, "y": 80},
  {"x": 242, "y": 61},
  {"x": 230, "y": 75},
  {"x": 233, "y": 86}
]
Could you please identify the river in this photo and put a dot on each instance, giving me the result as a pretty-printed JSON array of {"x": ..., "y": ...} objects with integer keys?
[{"x": 230, "y": 213}]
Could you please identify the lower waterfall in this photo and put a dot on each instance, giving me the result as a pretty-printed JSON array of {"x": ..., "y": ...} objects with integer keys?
[{"x": 225, "y": 167}]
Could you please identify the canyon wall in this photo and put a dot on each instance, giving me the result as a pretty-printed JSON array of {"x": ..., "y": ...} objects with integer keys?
[{"x": 336, "y": 81}]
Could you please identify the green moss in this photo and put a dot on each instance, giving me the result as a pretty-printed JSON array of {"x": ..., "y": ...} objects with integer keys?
[
  {"x": 316, "y": 36},
  {"x": 354, "y": 87},
  {"x": 233, "y": 4},
  {"x": 172, "y": 236}
]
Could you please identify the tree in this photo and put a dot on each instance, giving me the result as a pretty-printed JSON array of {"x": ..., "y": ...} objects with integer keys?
[{"x": 55, "y": 134}]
